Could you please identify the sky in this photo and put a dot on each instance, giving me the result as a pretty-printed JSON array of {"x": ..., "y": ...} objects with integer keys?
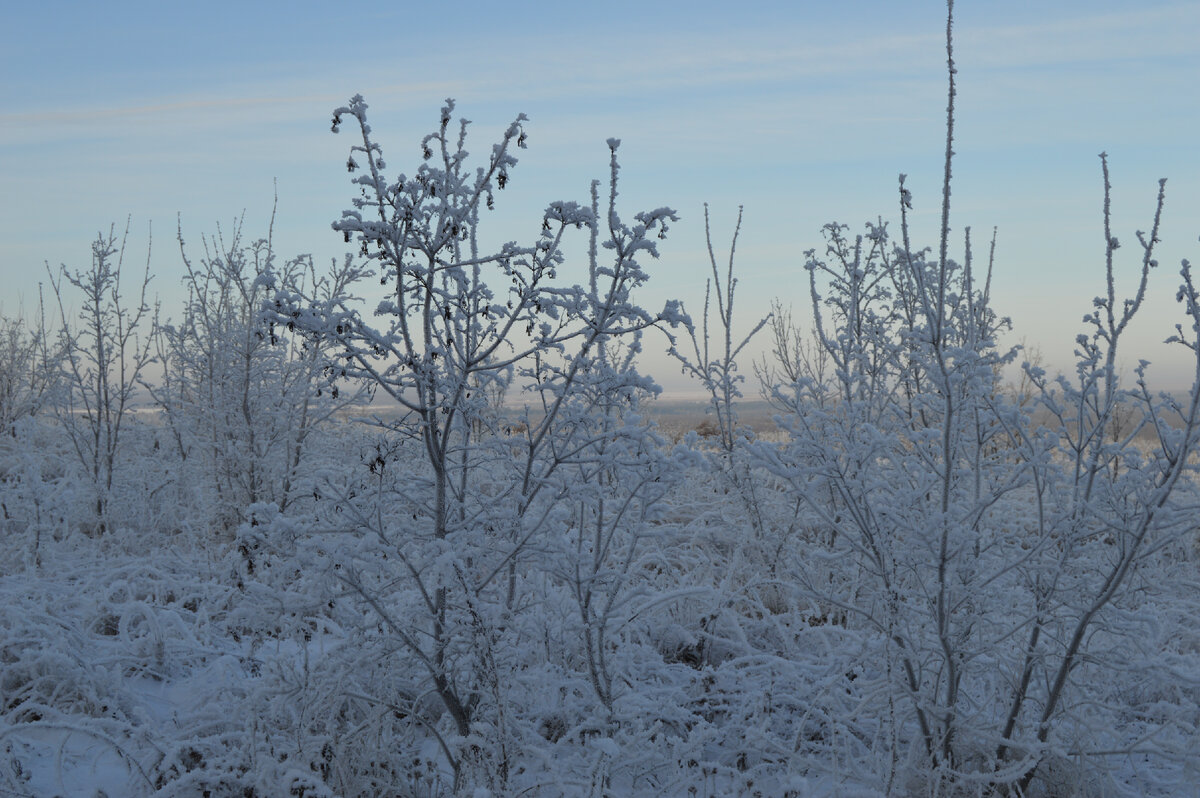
[{"x": 803, "y": 113}]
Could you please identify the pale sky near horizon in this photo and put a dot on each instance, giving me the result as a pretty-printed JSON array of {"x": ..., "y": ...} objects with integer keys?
[{"x": 803, "y": 112}]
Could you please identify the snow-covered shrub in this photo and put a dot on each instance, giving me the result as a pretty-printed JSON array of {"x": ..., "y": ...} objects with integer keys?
[
  {"x": 241, "y": 396},
  {"x": 104, "y": 349},
  {"x": 26, "y": 373},
  {"x": 994, "y": 557},
  {"x": 446, "y": 528},
  {"x": 38, "y": 499},
  {"x": 713, "y": 363}
]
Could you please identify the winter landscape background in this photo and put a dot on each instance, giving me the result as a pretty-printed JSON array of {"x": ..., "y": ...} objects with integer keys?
[{"x": 548, "y": 478}]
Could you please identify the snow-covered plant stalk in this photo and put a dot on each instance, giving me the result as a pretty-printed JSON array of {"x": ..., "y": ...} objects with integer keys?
[
  {"x": 713, "y": 363},
  {"x": 105, "y": 350}
]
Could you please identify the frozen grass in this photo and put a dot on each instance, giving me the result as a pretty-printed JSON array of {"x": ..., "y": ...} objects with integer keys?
[{"x": 154, "y": 663}]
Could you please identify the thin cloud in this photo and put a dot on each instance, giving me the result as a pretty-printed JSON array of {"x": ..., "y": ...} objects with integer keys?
[
  {"x": 206, "y": 105},
  {"x": 1144, "y": 34}
]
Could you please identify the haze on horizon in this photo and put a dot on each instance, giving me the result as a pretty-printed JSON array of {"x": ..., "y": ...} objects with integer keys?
[{"x": 802, "y": 113}]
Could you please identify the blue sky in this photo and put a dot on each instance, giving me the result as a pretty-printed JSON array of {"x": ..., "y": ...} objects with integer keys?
[{"x": 803, "y": 112}]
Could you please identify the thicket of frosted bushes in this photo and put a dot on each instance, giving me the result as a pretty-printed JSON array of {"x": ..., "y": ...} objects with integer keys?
[{"x": 500, "y": 578}]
